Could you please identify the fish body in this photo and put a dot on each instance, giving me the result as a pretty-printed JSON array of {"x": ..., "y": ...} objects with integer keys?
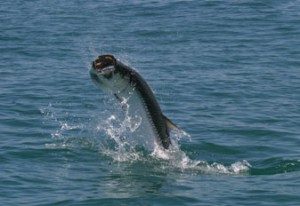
[{"x": 127, "y": 85}]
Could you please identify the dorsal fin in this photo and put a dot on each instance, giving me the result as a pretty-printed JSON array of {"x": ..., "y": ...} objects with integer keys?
[{"x": 171, "y": 125}]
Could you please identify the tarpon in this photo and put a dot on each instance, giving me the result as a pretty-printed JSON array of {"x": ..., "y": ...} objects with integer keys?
[{"x": 114, "y": 77}]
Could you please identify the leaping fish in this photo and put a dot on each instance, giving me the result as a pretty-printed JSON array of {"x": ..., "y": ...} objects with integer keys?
[{"x": 118, "y": 79}]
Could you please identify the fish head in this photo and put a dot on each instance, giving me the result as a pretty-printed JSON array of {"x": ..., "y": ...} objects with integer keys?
[
  {"x": 106, "y": 75},
  {"x": 104, "y": 66}
]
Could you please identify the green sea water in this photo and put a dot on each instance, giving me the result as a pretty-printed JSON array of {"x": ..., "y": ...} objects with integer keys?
[{"x": 226, "y": 72}]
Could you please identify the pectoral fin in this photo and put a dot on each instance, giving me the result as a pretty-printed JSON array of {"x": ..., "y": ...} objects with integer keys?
[
  {"x": 118, "y": 98},
  {"x": 121, "y": 101}
]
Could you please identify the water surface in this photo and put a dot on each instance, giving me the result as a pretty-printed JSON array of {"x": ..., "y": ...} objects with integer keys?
[{"x": 226, "y": 72}]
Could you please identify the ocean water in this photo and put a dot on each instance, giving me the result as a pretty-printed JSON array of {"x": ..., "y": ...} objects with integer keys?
[{"x": 226, "y": 72}]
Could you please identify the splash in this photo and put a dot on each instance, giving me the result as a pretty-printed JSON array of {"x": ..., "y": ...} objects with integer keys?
[
  {"x": 120, "y": 131},
  {"x": 132, "y": 148},
  {"x": 177, "y": 159},
  {"x": 114, "y": 135}
]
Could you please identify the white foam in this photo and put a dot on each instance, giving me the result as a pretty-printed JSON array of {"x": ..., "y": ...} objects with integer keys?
[{"x": 240, "y": 167}]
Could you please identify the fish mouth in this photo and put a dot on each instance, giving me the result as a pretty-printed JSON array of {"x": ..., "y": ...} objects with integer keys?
[{"x": 104, "y": 64}]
